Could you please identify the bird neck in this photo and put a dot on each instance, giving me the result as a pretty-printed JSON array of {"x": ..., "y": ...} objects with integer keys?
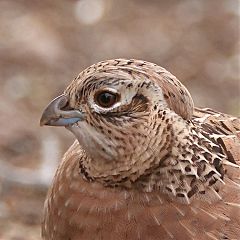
[
  {"x": 180, "y": 160},
  {"x": 193, "y": 167}
]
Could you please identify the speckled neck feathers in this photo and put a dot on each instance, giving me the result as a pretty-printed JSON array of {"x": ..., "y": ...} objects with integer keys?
[
  {"x": 156, "y": 145},
  {"x": 146, "y": 163}
]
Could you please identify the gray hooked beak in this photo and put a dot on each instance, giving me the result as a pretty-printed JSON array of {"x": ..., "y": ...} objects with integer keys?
[{"x": 55, "y": 115}]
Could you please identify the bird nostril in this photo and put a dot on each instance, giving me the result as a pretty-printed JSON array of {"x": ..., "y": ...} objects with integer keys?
[
  {"x": 61, "y": 102},
  {"x": 66, "y": 107}
]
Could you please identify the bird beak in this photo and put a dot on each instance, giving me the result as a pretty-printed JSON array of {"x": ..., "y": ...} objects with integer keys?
[{"x": 57, "y": 114}]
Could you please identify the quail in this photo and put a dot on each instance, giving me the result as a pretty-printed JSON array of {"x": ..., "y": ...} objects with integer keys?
[{"x": 146, "y": 163}]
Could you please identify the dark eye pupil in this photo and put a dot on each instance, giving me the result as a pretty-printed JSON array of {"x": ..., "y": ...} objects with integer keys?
[{"x": 106, "y": 99}]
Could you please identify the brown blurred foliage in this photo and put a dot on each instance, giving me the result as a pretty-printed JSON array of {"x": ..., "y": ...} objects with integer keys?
[{"x": 44, "y": 44}]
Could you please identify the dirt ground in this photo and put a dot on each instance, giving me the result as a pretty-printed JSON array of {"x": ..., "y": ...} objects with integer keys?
[{"x": 44, "y": 44}]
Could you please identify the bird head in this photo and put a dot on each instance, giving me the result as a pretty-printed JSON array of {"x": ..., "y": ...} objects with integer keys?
[{"x": 121, "y": 113}]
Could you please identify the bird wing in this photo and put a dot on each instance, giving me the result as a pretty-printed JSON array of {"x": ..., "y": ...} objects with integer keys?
[{"x": 222, "y": 128}]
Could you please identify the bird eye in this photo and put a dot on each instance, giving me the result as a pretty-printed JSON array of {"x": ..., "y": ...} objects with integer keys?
[{"x": 106, "y": 99}]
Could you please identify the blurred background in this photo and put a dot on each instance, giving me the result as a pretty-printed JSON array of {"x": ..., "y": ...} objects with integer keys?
[{"x": 44, "y": 44}]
